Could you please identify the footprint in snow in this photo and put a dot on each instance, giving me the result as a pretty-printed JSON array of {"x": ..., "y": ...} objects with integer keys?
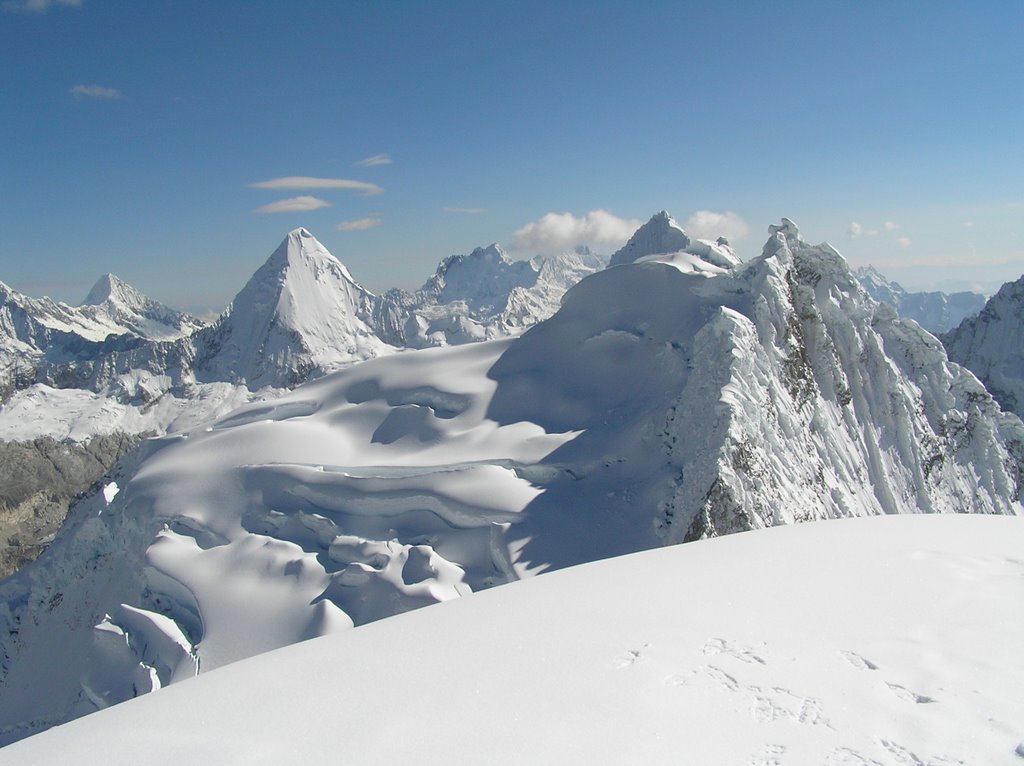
[
  {"x": 846, "y": 756},
  {"x": 906, "y": 695},
  {"x": 742, "y": 653},
  {"x": 629, "y": 658},
  {"x": 861, "y": 663},
  {"x": 769, "y": 755}
]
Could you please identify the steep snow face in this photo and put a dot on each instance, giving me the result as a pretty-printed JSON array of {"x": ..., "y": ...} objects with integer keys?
[
  {"x": 300, "y": 313},
  {"x": 831, "y": 406},
  {"x": 991, "y": 345},
  {"x": 868, "y": 641},
  {"x": 483, "y": 296},
  {"x": 936, "y": 312},
  {"x": 662, "y": 235},
  {"x": 482, "y": 280},
  {"x": 664, "y": 402},
  {"x": 118, "y": 302}
]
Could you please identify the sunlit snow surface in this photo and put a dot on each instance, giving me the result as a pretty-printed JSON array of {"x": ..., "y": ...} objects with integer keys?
[
  {"x": 887, "y": 641},
  {"x": 664, "y": 402}
]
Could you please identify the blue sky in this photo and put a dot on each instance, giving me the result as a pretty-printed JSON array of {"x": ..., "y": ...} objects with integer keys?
[{"x": 134, "y": 133}]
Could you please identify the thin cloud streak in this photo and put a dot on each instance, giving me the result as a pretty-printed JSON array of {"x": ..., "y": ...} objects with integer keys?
[
  {"x": 293, "y": 205},
  {"x": 360, "y": 224},
  {"x": 466, "y": 210},
  {"x": 37, "y": 6},
  {"x": 97, "y": 92},
  {"x": 309, "y": 182},
  {"x": 377, "y": 159}
]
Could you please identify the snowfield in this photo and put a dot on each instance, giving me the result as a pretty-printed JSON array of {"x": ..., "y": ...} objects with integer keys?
[
  {"x": 674, "y": 397},
  {"x": 890, "y": 640}
]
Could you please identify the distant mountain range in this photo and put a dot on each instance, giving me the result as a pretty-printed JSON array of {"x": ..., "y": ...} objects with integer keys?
[
  {"x": 936, "y": 312},
  {"x": 676, "y": 395}
]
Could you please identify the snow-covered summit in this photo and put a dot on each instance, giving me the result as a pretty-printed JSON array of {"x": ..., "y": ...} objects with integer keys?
[
  {"x": 662, "y": 236},
  {"x": 111, "y": 288},
  {"x": 300, "y": 312},
  {"x": 115, "y": 300},
  {"x": 482, "y": 280}
]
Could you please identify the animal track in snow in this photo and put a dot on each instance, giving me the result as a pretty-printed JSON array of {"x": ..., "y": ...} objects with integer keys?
[
  {"x": 721, "y": 646},
  {"x": 906, "y": 695},
  {"x": 861, "y": 663}
]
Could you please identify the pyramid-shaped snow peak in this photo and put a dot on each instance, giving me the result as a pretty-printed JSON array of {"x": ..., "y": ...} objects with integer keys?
[
  {"x": 659, "y": 235},
  {"x": 114, "y": 301},
  {"x": 111, "y": 288},
  {"x": 662, "y": 235},
  {"x": 299, "y": 314}
]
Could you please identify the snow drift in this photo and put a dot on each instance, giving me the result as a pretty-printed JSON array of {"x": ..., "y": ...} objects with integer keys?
[
  {"x": 869, "y": 641},
  {"x": 670, "y": 399}
]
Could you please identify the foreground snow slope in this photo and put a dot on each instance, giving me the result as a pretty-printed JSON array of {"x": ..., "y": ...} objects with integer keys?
[
  {"x": 882, "y": 641},
  {"x": 668, "y": 400}
]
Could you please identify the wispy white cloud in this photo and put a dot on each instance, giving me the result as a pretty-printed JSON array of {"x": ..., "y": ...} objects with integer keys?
[
  {"x": 968, "y": 224},
  {"x": 856, "y": 231},
  {"x": 707, "y": 224},
  {"x": 905, "y": 241},
  {"x": 37, "y": 6},
  {"x": 98, "y": 92},
  {"x": 466, "y": 210},
  {"x": 891, "y": 226},
  {"x": 307, "y": 182},
  {"x": 360, "y": 224},
  {"x": 293, "y": 205},
  {"x": 377, "y": 159},
  {"x": 558, "y": 232}
]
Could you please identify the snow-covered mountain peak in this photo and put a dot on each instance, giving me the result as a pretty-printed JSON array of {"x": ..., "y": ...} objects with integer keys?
[
  {"x": 662, "y": 236},
  {"x": 302, "y": 251},
  {"x": 109, "y": 287},
  {"x": 482, "y": 280},
  {"x": 658, "y": 236},
  {"x": 301, "y": 311}
]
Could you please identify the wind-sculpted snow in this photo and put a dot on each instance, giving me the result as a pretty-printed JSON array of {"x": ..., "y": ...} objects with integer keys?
[
  {"x": 667, "y": 400},
  {"x": 868, "y": 642}
]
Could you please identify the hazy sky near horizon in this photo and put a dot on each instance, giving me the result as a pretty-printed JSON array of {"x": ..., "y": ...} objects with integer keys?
[{"x": 176, "y": 143}]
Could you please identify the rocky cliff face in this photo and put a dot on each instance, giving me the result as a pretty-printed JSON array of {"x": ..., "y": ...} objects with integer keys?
[{"x": 41, "y": 479}]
